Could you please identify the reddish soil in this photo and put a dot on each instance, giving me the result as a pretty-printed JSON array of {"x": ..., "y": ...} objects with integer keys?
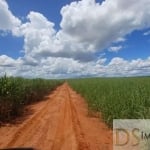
[{"x": 59, "y": 123}]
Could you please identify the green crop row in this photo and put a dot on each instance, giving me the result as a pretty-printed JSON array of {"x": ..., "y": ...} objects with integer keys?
[
  {"x": 116, "y": 98},
  {"x": 15, "y": 93}
]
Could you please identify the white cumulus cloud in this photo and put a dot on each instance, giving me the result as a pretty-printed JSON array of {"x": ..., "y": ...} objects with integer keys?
[
  {"x": 6, "y": 61},
  {"x": 86, "y": 28},
  {"x": 115, "y": 48},
  {"x": 66, "y": 67},
  {"x": 100, "y": 25},
  {"x": 83, "y": 31},
  {"x": 8, "y": 21}
]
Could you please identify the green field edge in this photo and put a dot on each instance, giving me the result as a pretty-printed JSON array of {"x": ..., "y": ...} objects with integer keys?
[
  {"x": 16, "y": 93},
  {"x": 115, "y": 98}
]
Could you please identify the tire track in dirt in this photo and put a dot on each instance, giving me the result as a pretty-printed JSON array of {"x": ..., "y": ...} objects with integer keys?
[
  {"x": 60, "y": 123},
  {"x": 80, "y": 136},
  {"x": 92, "y": 132},
  {"x": 65, "y": 133}
]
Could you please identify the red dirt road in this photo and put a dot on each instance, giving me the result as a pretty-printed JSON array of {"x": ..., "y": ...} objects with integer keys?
[{"x": 59, "y": 123}]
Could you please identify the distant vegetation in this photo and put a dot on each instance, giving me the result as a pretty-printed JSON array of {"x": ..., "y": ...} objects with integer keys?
[
  {"x": 15, "y": 93},
  {"x": 116, "y": 97}
]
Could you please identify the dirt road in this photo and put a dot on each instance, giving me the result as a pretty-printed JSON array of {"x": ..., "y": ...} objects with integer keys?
[{"x": 59, "y": 123}]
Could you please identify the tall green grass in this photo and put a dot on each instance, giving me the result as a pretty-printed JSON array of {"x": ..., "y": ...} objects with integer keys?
[
  {"x": 116, "y": 98},
  {"x": 15, "y": 93}
]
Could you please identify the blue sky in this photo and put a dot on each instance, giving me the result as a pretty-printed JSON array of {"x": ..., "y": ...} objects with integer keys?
[
  {"x": 74, "y": 38},
  {"x": 135, "y": 46}
]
